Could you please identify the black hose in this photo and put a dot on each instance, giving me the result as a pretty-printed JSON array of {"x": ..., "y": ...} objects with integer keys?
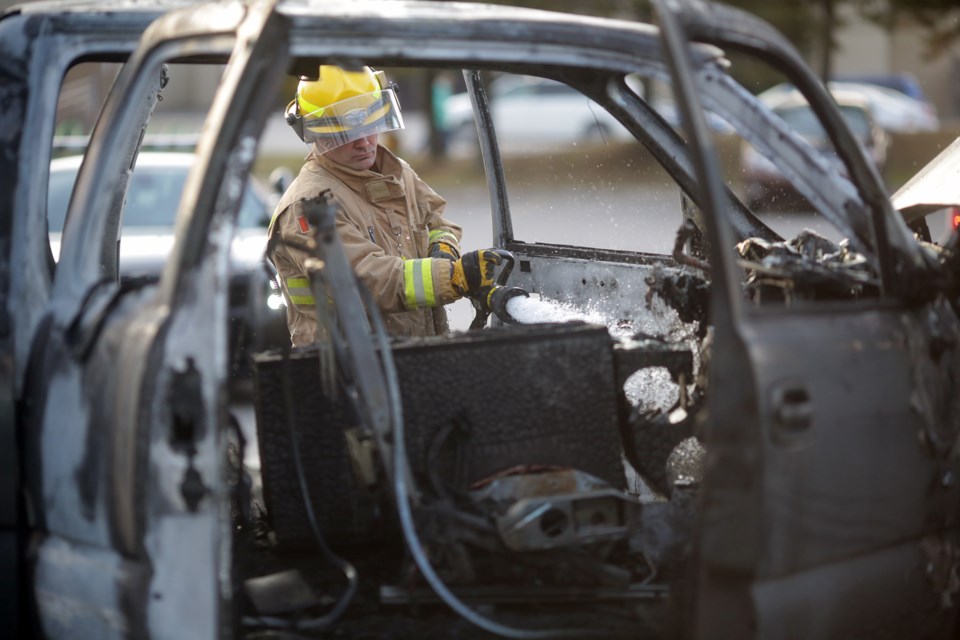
[{"x": 402, "y": 494}]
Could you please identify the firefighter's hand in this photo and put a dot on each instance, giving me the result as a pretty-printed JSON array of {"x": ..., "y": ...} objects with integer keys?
[
  {"x": 481, "y": 299},
  {"x": 474, "y": 272}
]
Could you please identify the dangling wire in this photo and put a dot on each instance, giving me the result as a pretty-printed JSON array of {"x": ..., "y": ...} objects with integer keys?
[
  {"x": 402, "y": 493},
  {"x": 349, "y": 572}
]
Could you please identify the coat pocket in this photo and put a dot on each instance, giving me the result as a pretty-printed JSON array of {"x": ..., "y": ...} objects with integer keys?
[{"x": 421, "y": 239}]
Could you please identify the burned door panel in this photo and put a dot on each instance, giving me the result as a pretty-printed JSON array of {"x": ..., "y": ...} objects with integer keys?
[
  {"x": 71, "y": 483},
  {"x": 38, "y": 46},
  {"x": 129, "y": 441},
  {"x": 82, "y": 591},
  {"x": 817, "y": 471},
  {"x": 860, "y": 492},
  {"x": 67, "y": 435},
  {"x": 846, "y": 470},
  {"x": 887, "y": 594},
  {"x": 181, "y": 399}
]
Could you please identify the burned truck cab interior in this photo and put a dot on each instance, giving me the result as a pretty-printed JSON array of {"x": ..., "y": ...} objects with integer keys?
[
  {"x": 670, "y": 418},
  {"x": 516, "y": 496}
]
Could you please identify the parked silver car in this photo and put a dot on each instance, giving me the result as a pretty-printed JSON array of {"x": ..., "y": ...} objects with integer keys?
[
  {"x": 895, "y": 112},
  {"x": 765, "y": 185},
  {"x": 257, "y": 313},
  {"x": 531, "y": 112}
]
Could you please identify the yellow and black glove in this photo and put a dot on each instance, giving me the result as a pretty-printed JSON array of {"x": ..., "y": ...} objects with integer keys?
[
  {"x": 493, "y": 299},
  {"x": 474, "y": 271},
  {"x": 443, "y": 244}
]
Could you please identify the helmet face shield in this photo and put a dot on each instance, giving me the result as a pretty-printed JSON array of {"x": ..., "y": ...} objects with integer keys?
[{"x": 357, "y": 117}]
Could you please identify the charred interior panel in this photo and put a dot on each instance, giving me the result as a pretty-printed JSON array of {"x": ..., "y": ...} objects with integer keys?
[
  {"x": 610, "y": 283},
  {"x": 550, "y": 402},
  {"x": 516, "y": 494},
  {"x": 521, "y": 488}
]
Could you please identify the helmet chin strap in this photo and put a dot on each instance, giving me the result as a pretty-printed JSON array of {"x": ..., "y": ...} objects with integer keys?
[{"x": 293, "y": 119}]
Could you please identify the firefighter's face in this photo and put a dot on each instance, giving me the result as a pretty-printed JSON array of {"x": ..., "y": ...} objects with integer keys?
[{"x": 358, "y": 155}]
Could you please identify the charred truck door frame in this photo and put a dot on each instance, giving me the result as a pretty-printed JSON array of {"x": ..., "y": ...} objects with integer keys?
[
  {"x": 818, "y": 495},
  {"x": 153, "y": 457},
  {"x": 38, "y": 49}
]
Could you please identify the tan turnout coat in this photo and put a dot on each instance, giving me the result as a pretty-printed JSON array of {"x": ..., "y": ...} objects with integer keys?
[{"x": 385, "y": 215}]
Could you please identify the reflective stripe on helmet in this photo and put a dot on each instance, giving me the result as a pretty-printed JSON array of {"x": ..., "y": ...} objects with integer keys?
[
  {"x": 299, "y": 291},
  {"x": 354, "y": 117},
  {"x": 418, "y": 283},
  {"x": 341, "y": 123}
]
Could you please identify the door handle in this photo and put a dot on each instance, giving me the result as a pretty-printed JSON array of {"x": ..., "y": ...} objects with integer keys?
[{"x": 792, "y": 409}]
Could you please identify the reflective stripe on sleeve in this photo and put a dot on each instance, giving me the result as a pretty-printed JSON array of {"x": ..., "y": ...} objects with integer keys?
[
  {"x": 418, "y": 283},
  {"x": 299, "y": 290},
  {"x": 442, "y": 235}
]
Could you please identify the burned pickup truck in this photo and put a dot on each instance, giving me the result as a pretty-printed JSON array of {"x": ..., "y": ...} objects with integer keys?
[{"x": 797, "y": 479}]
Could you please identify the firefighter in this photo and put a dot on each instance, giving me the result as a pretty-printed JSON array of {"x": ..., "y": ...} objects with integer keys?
[{"x": 390, "y": 222}]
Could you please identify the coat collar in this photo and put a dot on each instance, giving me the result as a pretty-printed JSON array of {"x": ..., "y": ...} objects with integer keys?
[
  {"x": 386, "y": 164},
  {"x": 383, "y": 181}
]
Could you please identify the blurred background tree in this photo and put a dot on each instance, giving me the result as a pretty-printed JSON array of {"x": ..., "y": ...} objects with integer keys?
[
  {"x": 811, "y": 25},
  {"x": 801, "y": 21},
  {"x": 934, "y": 15}
]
